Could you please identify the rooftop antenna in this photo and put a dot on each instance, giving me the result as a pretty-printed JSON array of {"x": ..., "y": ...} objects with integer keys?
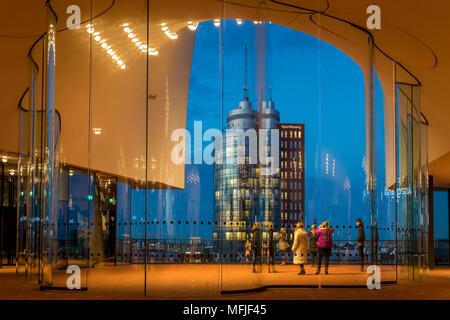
[{"x": 245, "y": 75}]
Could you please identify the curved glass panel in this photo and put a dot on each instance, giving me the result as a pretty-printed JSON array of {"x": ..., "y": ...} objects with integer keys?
[{"x": 193, "y": 157}]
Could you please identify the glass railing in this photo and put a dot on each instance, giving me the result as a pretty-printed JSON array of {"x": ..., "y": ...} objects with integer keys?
[{"x": 207, "y": 251}]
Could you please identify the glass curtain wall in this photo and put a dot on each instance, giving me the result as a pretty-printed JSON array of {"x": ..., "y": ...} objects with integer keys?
[
  {"x": 412, "y": 213},
  {"x": 171, "y": 152}
]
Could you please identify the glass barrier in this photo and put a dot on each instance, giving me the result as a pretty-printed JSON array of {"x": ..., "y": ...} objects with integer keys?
[{"x": 193, "y": 153}]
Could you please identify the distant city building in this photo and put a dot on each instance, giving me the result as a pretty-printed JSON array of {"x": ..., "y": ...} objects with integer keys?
[
  {"x": 246, "y": 189},
  {"x": 292, "y": 165}
]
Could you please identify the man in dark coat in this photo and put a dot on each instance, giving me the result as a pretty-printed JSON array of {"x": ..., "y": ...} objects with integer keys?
[
  {"x": 360, "y": 242},
  {"x": 256, "y": 245}
]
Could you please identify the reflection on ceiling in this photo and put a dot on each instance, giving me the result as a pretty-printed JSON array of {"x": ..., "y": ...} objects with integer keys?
[
  {"x": 138, "y": 43},
  {"x": 170, "y": 34},
  {"x": 104, "y": 44}
]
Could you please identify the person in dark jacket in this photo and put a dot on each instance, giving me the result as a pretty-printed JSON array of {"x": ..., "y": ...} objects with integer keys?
[
  {"x": 360, "y": 242},
  {"x": 313, "y": 249},
  {"x": 256, "y": 245},
  {"x": 271, "y": 248}
]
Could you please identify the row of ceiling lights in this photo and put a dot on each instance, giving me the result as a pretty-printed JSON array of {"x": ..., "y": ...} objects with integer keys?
[
  {"x": 141, "y": 46},
  {"x": 104, "y": 44},
  {"x": 238, "y": 21},
  {"x": 137, "y": 42},
  {"x": 5, "y": 160}
]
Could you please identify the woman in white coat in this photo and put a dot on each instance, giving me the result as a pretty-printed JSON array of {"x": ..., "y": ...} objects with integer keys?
[{"x": 300, "y": 247}]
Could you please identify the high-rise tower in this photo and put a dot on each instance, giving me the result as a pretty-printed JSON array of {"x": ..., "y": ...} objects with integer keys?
[{"x": 246, "y": 186}]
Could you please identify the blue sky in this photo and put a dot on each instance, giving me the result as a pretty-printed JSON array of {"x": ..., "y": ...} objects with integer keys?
[{"x": 312, "y": 83}]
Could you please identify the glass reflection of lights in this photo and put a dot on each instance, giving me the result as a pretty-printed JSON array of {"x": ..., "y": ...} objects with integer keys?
[
  {"x": 239, "y": 21},
  {"x": 217, "y": 22},
  {"x": 104, "y": 44},
  {"x": 135, "y": 40},
  {"x": 192, "y": 25},
  {"x": 167, "y": 32}
]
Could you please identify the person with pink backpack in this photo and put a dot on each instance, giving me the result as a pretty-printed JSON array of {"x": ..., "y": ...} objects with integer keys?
[{"x": 324, "y": 233}]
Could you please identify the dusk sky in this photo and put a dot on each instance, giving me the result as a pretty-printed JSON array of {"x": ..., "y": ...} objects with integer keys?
[{"x": 312, "y": 83}]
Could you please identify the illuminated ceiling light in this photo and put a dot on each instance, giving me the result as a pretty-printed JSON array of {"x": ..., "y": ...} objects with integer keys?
[
  {"x": 96, "y": 33},
  {"x": 90, "y": 28},
  {"x": 97, "y": 131},
  {"x": 141, "y": 46},
  {"x": 4, "y": 159},
  {"x": 239, "y": 21},
  {"x": 122, "y": 67},
  {"x": 192, "y": 25},
  {"x": 107, "y": 48},
  {"x": 125, "y": 25},
  {"x": 167, "y": 32},
  {"x": 152, "y": 52},
  {"x": 217, "y": 22},
  {"x": 171, "y": 35}
]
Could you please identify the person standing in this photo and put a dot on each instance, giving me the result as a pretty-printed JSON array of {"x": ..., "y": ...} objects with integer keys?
[
  {"x": 313, "y": 245},
  {"x": 248, "y": 248},
  {"x": 300, "y": 247},
  {"x": 256, "y": 245},
  {"x": 271, "y": 249},
  {"x": 360, "y": 242},
  {"x": 325, "y": 243},
  {"x": 283, "y": 244}
]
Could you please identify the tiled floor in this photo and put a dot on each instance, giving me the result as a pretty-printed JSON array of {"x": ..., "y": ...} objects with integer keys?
[{"x": 206, "y": 281}]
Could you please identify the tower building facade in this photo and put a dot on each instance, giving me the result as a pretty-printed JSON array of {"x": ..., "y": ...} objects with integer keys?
[
  {"x": 247, "y": 174},
  {"x": 292, "y": 166}
]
